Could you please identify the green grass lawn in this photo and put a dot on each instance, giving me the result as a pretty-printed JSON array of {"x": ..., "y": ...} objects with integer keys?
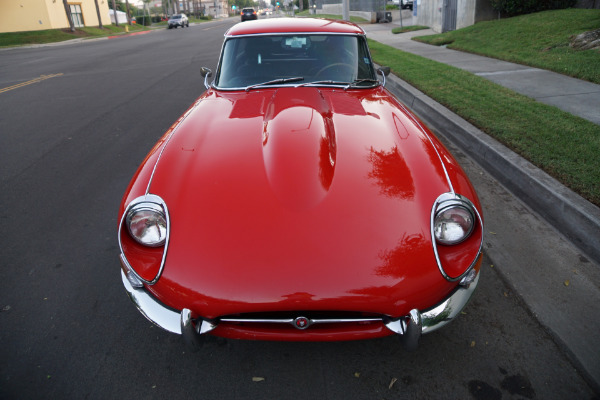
[
  {"x": 565, "y": 146},
  {"x": 540, "y": 40},
  {"x": 60, "y": 35},
  {"x": 409, "y": 28}
]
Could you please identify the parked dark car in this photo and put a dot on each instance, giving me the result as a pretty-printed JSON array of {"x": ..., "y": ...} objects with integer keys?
[
  {"x": 403, "y": 4},
  {"x": 248, "y": 14}
]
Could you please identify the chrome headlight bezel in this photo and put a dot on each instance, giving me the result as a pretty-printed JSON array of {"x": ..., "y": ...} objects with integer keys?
[
  {"x": 155, "y": 204},
  {"x": 453, "y": 201},
  {"x": 147, "y": 224},
  {"x": 453, "y": 223}
]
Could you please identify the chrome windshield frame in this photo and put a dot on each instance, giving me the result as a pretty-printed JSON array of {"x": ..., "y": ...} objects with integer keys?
[{"x": 231, "y": 37}]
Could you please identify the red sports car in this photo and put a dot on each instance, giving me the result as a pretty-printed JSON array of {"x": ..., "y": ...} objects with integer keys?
[{"x": 297, "y": 199}]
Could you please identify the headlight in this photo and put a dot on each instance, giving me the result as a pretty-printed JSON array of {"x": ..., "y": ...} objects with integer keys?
[
  {"x": 453, "y": 224},
  {"x": 147, "y": 224}
]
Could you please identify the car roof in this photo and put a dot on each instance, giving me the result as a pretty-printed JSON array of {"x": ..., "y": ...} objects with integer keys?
[{"x": 294, "y": 25}]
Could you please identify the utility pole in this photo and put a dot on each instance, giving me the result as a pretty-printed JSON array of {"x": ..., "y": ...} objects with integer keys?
[{"x": 346, "y": 10}]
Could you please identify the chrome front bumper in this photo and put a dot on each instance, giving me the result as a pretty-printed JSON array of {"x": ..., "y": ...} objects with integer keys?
[{"x": 410, "y": 327}]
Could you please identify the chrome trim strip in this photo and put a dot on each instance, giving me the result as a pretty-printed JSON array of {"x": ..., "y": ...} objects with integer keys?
[
  {"x": 440, "y": 315},
  {"x": 413, "y": 330},
  {"x": 307, "y": 84},
  {"x": 429, "y": 320},
  {"x": 153, "y": 310},
  {"x": 229, "y": 37},
  {"x": 292, "y": 321},
  {"x": 193, "y": 331},
  {"x": 305, "y": 33},
  {"x": 436, "y": 317},
  {"x": 444, "y": 197},
  {"x": 148, "y": 198}
]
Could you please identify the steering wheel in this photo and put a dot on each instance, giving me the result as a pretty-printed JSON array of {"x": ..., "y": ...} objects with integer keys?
[{"x": 349, "y": 67}]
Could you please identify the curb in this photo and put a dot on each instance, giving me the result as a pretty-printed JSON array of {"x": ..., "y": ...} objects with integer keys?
[
  {"x": 570, "y": 214},
  {"x": 565, "y": 315}
]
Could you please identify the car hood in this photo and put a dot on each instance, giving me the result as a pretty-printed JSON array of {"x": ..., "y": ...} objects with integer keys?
[{"x": 284, "y": 195}]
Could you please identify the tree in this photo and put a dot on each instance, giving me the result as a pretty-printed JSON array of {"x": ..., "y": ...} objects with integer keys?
[
  {"x": 128, "y": 13},
  {"x": 99, "y": 16},
  {"x": 114, "y": 13},
  {"x": 69, "y": 16}
]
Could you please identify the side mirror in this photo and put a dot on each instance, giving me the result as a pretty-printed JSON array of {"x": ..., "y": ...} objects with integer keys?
[
  {"x": 206, "y": 73},
  {"x": 383, "y": 71}
]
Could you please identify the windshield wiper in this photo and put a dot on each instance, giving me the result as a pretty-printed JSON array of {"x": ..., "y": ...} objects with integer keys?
[
  {"x": 359, "y": 81},
  {"x": 346, "y": 85},
  {"x": 275, "y": 82},
  {"x": 327, "y": 82}
]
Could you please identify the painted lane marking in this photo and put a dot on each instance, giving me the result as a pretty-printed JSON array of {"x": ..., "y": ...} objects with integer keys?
[
  {"x": 129, "y": 34},
  {"x": 36, "y": 80}
]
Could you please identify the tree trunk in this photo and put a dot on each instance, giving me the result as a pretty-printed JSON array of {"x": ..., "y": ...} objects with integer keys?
[
  {"x": 69, "y": 17},
  {"x": 114, "y": 13},
  {"x": 99, "y": 15},
  {"x": 128, "y": 15}
]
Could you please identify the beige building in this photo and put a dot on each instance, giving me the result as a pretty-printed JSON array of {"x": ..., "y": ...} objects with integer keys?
[{"x": 35, "y": 15}]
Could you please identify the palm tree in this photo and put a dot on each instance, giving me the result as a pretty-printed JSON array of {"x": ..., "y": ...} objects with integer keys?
[
  {"x": 69, "y": 17},
  {"x": 128, "y": 15},
  {"x": 114, "y": 13},
  {"x": 99, "y": 16}
]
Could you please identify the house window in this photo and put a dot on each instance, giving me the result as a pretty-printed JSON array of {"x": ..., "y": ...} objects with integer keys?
[{"x": 77, "y": 15}]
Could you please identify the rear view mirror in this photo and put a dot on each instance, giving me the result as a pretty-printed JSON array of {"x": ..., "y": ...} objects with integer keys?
[
  {"x": 383, "y": 71},
  {"x": 206, "y": 73}
]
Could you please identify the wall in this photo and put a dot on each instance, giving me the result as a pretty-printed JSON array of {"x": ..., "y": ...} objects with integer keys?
[
  {"x": 469, "y": 12},
  {"x": 429, "y": 14},
  {"x": 22, "y": 15},
  {"x": 336, "y": 9},
  {"x": 35, "y": 15}
]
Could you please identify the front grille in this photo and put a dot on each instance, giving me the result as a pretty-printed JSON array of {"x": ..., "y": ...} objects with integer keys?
[{"x": 303, "y": 320}]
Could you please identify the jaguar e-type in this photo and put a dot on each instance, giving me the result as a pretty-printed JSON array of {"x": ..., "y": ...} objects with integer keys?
[{"x": 297, "y": 199}]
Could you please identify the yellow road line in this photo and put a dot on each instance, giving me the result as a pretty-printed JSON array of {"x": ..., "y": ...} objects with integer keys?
[{"x": 36, "y": 80}]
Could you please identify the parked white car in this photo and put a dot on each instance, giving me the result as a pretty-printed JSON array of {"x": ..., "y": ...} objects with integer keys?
[{"x": 178, "y": 20}]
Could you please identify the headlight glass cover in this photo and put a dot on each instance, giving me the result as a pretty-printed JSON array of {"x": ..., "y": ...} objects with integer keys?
[
  {"x": 453, "y": 224},
  {"x": 147, "y": 224}
]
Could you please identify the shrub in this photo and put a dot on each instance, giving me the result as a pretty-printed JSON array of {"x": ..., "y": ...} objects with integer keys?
[
  {"x": 143, "y": 20},
  {"x": 511, "y": 8}
]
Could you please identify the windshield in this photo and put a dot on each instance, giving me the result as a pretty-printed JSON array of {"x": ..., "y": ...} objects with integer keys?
[{"x": 327, "y": 59}]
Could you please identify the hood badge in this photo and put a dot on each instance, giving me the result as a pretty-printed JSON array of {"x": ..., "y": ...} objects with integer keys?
[{"x": 301, "y": 323}]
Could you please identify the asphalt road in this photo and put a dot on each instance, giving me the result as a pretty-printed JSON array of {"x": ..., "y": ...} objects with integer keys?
[{"x": 69, "y": 145}]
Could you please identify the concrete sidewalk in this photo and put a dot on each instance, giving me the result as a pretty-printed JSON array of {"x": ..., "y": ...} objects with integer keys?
[
  {"x": 572, "y": 95},
  {"x": 536, "y": 256}
]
